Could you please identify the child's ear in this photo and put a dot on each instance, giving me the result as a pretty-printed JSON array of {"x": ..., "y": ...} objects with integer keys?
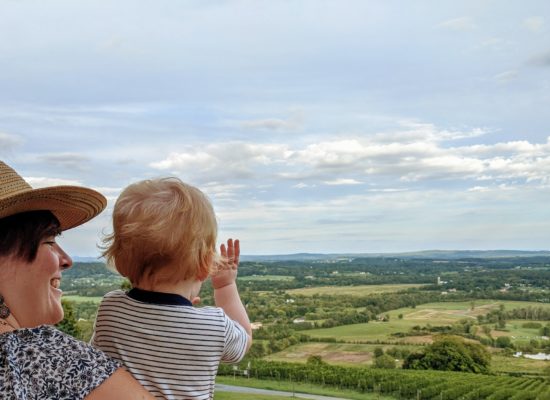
[{"x": 204, "y": 268}]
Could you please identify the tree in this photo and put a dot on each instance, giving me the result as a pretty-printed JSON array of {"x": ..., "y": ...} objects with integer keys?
[
  {"x": 451, "y": 353},
  {"x": 384, "y": 361},
  {"x": 68, "y": 324},
  {"x": 503, "y": 342},
  {"x": 487, "y": 330},
  {"x": 315, "y": 360},
  {"x": 378, "y": 351}
]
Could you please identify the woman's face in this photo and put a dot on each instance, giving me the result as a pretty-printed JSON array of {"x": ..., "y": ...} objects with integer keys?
[{"x": 37, "y": 299}]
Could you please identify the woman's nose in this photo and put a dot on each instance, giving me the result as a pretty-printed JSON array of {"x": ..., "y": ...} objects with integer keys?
[{"x": 65, "y": 261}]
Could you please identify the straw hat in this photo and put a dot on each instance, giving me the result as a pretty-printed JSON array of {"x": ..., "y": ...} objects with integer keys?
[{"x": 72, "y": 205}]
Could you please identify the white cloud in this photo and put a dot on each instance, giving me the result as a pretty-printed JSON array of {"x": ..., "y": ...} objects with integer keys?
[
  {"x": 40, "y": 182},
  {"x": 342, "y": 181},
  {"x": 302, "y": 185},
  {"x": 427, "y": 155},
  {"x": 534, "y": 24},
  {"x": 224, "y": 160},
  {"x": 458, "y": 24}
]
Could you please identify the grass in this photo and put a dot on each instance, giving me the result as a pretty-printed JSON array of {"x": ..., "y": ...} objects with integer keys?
[
  {"x": 81, "y": 299},
  {"x": 507, "y": 364},
  {"x": 297, "y": 387},
  {"x": 361, "y": 290},
  {"x": 244, "y": 396}
]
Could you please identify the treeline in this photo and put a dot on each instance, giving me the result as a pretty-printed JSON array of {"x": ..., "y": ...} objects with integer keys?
[{"x": 90, "y": 279}]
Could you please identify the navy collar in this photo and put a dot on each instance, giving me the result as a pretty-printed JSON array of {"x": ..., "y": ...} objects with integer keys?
[{"x": 147, "y": 296}]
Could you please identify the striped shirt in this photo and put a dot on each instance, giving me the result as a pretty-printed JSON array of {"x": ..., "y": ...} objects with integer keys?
[{"x": 172, "y": 348}]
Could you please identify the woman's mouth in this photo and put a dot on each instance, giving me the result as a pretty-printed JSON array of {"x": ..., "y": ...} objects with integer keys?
[{"x": 55, "y": 283}]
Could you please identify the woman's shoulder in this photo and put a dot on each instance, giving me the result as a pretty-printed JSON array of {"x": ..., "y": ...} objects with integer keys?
[
  {"x": 45, "y": 357},
  {"x": 49, "y": 342}
]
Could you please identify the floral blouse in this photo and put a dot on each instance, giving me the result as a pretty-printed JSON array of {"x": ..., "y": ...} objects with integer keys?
[{"x": 45, "y": 363}]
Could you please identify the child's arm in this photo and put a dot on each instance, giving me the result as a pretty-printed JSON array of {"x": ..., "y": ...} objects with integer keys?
[{"x": 226, "y": 294}]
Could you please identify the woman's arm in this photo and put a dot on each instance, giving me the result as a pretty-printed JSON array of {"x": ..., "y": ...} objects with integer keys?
[{"x": 121, "y": 386}]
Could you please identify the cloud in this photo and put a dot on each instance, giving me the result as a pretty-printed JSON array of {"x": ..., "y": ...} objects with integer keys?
[
  {"x": 343, "y": 181},
  {"x": 221, "y": 191},
  {"x": 293, "y": 123},
  {"x": 66, "y": 160},
  {"x": 8, "y": 142},
  {"x": 224, "y": 160},
  {"x": 458, "y": 24},
  {"x": 534, "y": 24},
  {"x": 417, "y": 154},
  {"x": 506, "y": 76},
  {"x": 541, "y": 60},
  {"x": 302, "y": 185},
  {"x": 40, "y": 182}
]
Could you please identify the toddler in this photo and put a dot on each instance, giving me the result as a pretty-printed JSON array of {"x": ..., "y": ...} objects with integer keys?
[{"x": 164, "y": 242}]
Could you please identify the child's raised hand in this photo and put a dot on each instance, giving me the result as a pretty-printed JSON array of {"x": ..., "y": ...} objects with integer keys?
[{"x": 226, "y": 273}]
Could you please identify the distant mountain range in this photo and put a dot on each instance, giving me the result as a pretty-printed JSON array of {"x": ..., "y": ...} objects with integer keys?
[{"x": 430, "y": 254}]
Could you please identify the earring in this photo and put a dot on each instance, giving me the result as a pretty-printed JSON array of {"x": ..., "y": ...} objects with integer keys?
[{"x": 4, "y": 310}]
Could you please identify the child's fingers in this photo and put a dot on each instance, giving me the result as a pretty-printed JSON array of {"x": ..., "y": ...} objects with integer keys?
[
  {"x": 237, "y": 251},
  {"x": 230, "y": 249},
  {"x": 223, "y": 250}
]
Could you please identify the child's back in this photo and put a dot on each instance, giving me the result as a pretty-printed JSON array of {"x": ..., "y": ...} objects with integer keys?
[{"x": 171, "y": 347}]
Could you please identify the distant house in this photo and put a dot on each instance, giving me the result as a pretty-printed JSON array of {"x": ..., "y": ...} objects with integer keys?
[
  {"x": 299, "y": 321},
  {"x": 256, "y": 325}
]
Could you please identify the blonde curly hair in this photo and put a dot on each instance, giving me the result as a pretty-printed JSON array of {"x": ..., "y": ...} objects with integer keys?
[{"x": 163, "y": 229}]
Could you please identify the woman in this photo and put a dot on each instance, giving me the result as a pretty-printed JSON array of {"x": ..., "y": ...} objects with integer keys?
[{"x": 36, "y": 360}]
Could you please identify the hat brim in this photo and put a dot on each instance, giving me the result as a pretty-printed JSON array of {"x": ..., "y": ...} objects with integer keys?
[{"x": 71, "y": 205}]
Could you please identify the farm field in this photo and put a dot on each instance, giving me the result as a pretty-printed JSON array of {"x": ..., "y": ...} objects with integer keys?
[
  {"x": 286, "y": 386},
  {"x": 334, "y": 353},
  {"x": 518, "y": 333},
  {"x": 435, "y": 314},
  {"x": 361, "y": 290},
  {"x": 506, "y": 364},
  {"x": 266, "y": 278},
  {"x": 80, "y": 299},
  {"x": 361, "y": 355}
]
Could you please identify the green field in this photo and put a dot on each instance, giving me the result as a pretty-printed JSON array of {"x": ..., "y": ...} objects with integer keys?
[
  {"x": 287, "y": 386},
  {"x": 435, "y": 314},
  {"x": 507, "y": 364},
  {"x": 243, "y": 396},
  {"x": 81, "y": 299},
  {"x": 266, "y": 278},
  {"x": 361, "y": 290}
]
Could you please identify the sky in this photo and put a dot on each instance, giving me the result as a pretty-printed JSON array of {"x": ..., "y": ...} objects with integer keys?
[{"x": 313, "y": 126}]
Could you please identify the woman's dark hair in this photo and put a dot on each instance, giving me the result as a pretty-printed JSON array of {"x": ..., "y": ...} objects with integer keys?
[{"x": 21, "y": 234}]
